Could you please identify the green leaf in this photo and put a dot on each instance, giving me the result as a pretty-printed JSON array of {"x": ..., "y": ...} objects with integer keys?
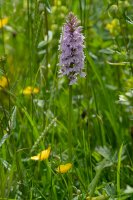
[
  {"x": 104, "y": 151},
  {"x": 4, "y": 138},
  {"x": 48, "y": 7},
  {"x": 46, "y": 40},
  {"x": 32, "y": 123},
  {"x": 13, "y": 118},
  {"x": 42, "y": 44},
  {"x": 128, "y": 190},
  {"x": 5, "y": 164}
]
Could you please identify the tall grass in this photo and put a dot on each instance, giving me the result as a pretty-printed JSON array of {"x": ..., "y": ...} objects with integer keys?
[{"x": 100, "y": 106}]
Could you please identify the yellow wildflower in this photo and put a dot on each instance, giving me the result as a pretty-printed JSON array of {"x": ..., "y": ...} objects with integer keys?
[
  {"x": 43, "y": 155},
  {"x": 30, "y": 90},
  {"x": 3, "y": 82},
  {"x": 3, "y": 22},
  {"x": 64, "y": 168},
  {"x": 113, "y": 27}
]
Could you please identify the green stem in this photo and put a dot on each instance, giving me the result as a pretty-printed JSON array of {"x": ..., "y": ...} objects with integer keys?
[
  {"x": 118, "y": 171},
  {"x": 70, "y": 123},
  {"x": 70, "y": 138},
  {"x": 94, "y": 182},
  {"x": 47, "y": 53}
]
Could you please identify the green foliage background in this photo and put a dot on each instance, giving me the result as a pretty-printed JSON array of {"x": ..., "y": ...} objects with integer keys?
[{"x": 102, "y": 126}]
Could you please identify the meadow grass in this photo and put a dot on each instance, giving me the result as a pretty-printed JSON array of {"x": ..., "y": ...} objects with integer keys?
[{"x": 88, "y": 125}]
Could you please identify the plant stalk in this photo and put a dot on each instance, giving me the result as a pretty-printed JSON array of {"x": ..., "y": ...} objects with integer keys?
[
  {"x": 70, "y": 123},
  {"x": 70, "y": 137}
]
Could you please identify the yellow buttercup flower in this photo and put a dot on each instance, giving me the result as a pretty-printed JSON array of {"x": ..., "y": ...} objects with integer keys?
[
  {"x": 64, "y": 168},
  {"x": 30, "y": 90},
  {"x": 3, "y": 22},
  {"x": 113, "y": 27},
  {"x": 3, "y": 82},
  {"x": 43, "y": 155},
  {"x": 36, "y": 90}
]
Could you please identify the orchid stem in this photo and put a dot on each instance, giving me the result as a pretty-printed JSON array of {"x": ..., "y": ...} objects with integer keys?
[
  {"x": 70, "y": 137},
  {"x": 70, "y": 123}
]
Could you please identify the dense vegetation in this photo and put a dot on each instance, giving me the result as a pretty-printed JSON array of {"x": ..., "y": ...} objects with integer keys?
[{"x": 87, "y": 131}]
